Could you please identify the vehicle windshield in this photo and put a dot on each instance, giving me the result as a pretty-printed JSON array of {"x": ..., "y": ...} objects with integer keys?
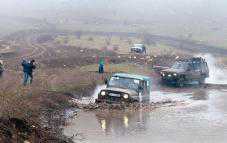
[
  {"x": 180, "y": 65},
  {"x": 126, "y": 83},
  {"x": 138, "y": 45}
]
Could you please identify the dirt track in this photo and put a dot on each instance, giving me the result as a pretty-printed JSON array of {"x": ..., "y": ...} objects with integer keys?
[{"x": 29, "y": 39}]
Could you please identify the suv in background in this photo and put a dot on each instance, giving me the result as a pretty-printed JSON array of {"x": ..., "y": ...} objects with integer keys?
[
  {"x": 185, "y": 71},
  {"x": 138, "y": 48}
]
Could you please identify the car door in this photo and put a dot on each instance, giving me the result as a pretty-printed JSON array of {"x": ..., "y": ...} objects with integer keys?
[
  {"x": 196, "y": 70},
  {"x": 145, "y": 92},
  {"x": 145, "y": 87},
  {"x": 192, "y": 74}
]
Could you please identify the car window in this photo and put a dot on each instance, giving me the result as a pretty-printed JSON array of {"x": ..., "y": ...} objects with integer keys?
[
  {"x": 180, "y": 65},
  {"x": 197, "y": 65},
  {"x": 123, "y": 82}
]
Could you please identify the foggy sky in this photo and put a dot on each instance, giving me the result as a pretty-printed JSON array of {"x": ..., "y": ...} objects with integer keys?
[
  {"x": 162, "y": 16},
  {"x": 124, "y": 8}
]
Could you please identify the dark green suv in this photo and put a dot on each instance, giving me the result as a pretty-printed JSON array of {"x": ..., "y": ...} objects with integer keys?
[
  {"x": 185, "y": 71},
  {"x": 123, "y": 87}
]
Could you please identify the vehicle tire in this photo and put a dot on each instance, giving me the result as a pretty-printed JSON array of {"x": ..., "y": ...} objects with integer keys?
[
  {"x": 97, "y": 101},
  {"x": 180, "y": 82}
]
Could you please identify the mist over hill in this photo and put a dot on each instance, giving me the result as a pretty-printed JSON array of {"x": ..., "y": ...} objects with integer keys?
[
  {"x": 168, "y": 17},
  {"x": 126, "y": 9}
]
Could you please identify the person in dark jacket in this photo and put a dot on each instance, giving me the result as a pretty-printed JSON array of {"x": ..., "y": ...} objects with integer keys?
[
  {"x": 28, "y": 68},
  {"x": 101, "y": 68},
  {"x": 1, "y": 68},
  {"x": 32, "y": 67}
]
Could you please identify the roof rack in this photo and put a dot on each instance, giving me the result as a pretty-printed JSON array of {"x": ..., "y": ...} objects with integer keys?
[{"x": 193, "y": 59}]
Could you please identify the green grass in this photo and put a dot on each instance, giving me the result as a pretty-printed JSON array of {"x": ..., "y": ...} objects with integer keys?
[
  {"x": 123, "y": 67},
  {"x": 123, "y": 43},
  {"x": 204, "y": 32},
  {"x": 98, "y": 42}
]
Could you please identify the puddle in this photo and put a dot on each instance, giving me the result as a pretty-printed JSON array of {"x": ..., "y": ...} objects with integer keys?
[
  {"x": 159, "y": 96},
  {"x": 204, "y": 119}
]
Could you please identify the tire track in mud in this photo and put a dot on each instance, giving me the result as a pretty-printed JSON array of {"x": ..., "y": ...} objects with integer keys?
[
  {"x": 28, "y": 42},
  {"x": 181, "y": 44},
  {"x": 14, "y": 62},
  {"x": 52, "y": 79},
  {"x": 38, "y": 50}
]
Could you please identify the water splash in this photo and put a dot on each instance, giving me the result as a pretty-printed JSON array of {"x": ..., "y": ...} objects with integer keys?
[
  {"x": 217, "y": 74},
  {"x": 140, "y": 97},
  {"x": 96, "y": 92},
  {"x": 91, "y": 99}
]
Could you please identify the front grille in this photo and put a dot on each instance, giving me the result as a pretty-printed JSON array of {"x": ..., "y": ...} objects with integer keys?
[
  {"x": 114, "y": 92},
  {"x": 114, "y": 95},
  {"x": 168, "y": 78},
  {"x": 115, "y": 99}
]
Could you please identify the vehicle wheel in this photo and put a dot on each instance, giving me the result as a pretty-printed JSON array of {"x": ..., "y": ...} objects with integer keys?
[
  {"x": 180, "y": 82},
  {"x": 97, "y": 101}
]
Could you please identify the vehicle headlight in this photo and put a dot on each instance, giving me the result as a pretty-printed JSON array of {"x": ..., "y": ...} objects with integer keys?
[
  {"x": 169, "y": 75},
  {"x": 175, "y": 74},
  {"x": 103, "y": 93},
  {"x": 125, "y": 96},
  {"x": 162, "y": 73}
]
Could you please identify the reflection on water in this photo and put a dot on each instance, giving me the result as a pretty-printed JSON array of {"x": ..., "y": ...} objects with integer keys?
[
  {"x": 121, "y": 123},
  {"x": 126, "y": 121},
  {"x": 103, "y": 124},
  {"x": 203, "y": 120}
]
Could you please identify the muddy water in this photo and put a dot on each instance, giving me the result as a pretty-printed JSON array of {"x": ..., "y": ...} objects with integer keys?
[{"x": 201, "y": 117}]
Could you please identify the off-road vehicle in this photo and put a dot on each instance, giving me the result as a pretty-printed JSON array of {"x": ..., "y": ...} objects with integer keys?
[
  {"x": 138, "y": 48},
  {"x": 185, "y": 71},
  {"x": 122, "y": 87}
]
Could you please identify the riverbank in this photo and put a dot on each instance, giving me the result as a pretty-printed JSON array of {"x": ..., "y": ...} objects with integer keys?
[{"x": 34, "y": 118}]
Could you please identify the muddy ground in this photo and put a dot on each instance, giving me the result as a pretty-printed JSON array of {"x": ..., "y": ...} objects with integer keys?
[{"x": 64, "y": 73}]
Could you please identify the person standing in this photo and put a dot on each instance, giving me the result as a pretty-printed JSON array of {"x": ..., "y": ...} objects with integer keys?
[
  {"x": 28, "y": 68},
  {"x": 31, "y": 69},
  {"x": 25, "y": 66},
  {"x": 101, "y": 65},
  {"x": 101, "y": 68},
  {"x": 1, "y": 68}
]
